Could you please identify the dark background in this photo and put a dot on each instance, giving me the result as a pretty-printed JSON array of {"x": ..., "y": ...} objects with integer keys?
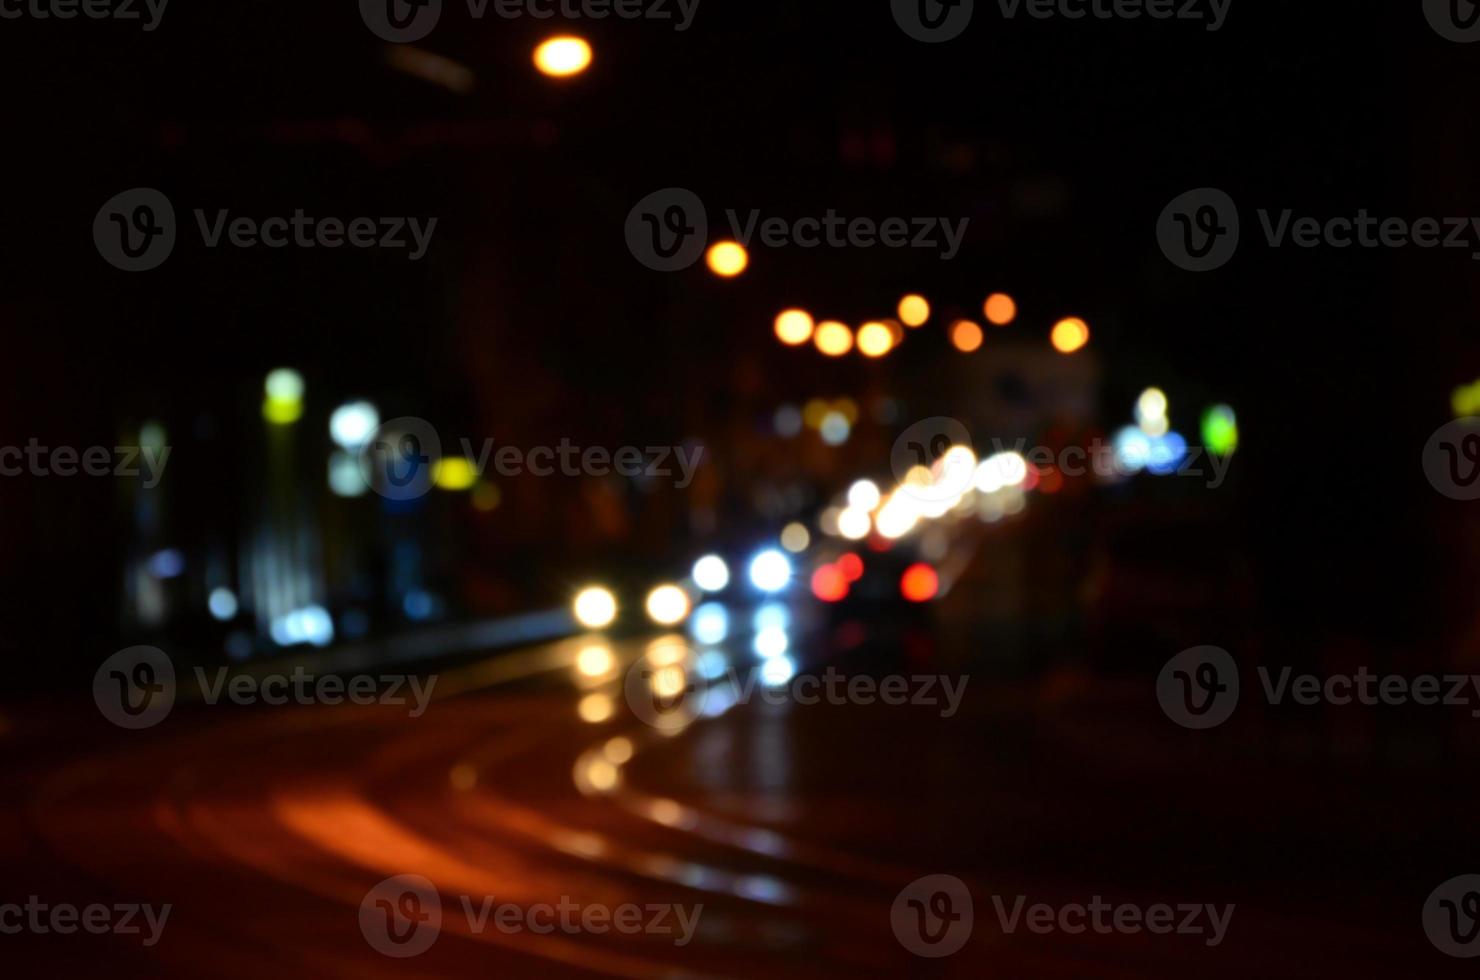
[{"x": 529, "y": 321}]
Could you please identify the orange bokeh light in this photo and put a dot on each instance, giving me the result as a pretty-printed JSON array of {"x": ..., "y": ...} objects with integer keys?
[
  {"x": 919, "y": 583},
  {"x": 1069, "y": 335},
  {"x": 966, "y": 336},
  {"x": 1000, "y": 309},
  {"x": 914, "y": 310}
]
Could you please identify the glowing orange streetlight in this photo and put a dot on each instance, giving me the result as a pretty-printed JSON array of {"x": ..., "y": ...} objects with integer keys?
[
  {"x": 563, "y": 56},
  {"x": 914, "y": 310},
  {"x": 1000, "y": 309},
  {"x": 727, "y": 259},
  {"x": 966, "y": 336}
]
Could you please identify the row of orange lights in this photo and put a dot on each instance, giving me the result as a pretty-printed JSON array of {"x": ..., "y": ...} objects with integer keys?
[{"x": 795, "y": 327}]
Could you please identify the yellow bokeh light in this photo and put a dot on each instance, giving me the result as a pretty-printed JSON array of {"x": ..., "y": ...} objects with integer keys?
[
  {"x": 595, "y": 607},
  {"x": 814, "y": 412},
  {"x": 282, "y": 412},
  {"x": 1000, "y": 309},
  {"x": 618, "y": 750},
  {"x": 454, "y": 473},
  {"x": 847, "y": 408},
  {"x": 833, "y": 338},
  {"x": 601, "y": 775},
  {"x": 668, "y": 812},
  {"x": 595, "y": 661},
  {"x": 561, "y": 57},
  {"x": 595, "y": 708},
  {"x": 966, "y": 336},
  {"x": 667, "y": 605},
  {"x": 1151, "y": 406},
  {"x": 665, "y": 650},
  {"x": 914, "y": 310},
  {"x": 669, "y": 681},
  {"x": 794, "y": 327},
  {"x": 1069, "y": 335},
  {"x": 875, "y": 340},
  {"x": 727, "y": 259}
]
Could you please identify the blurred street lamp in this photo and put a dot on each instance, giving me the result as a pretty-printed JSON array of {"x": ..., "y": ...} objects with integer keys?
[
  {"x": 794, "y": 327},
  {"x": 966, "y": 336},
  {"x": 1069, "y": 335},
  {"x": 562, "y": 57},
  {"x": 1000, "y": 309},
  {"x": 875, "y": 340},
  {"x": 914, "y": 310},
  {"x": 667, "y": 605},
  {"x": 595, "y": 607},
  {"x": 833, "y": 338},
  {"x": 727, "y": 259}
]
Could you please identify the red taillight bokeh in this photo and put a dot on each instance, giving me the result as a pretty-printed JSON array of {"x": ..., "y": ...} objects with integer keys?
[
  {"x": 919, "y": 583},
  {"x": 830, "y": 584}
]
